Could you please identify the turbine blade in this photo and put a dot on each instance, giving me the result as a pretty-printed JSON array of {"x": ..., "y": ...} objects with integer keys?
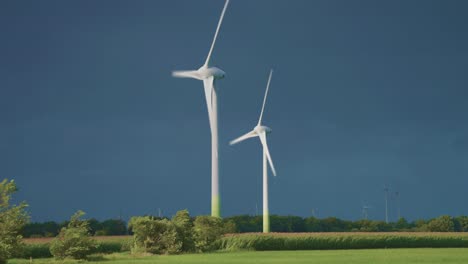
[
  {"x": 267, "y": 152},
  {"x": 243, "y": 137},
  {"x": 216, "y": 33},
  {"x": 265, "y": 97},
  {"x": 208, "y": 85},
  {"x": 186, "y": 74}
]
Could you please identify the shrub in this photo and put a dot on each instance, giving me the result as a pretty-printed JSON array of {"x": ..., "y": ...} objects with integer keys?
[
  {"x": 207, "y": 229},
  {"x": 12, "y": 220},
  {"x": 184, "y": 227},
  {"x": 154, "y": 236},
  {"x": 73, "y": 241}
]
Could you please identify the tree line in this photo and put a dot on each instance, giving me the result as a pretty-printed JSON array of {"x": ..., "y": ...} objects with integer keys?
[
  {"x": 248, "y": 223},
  {"x": 110, "y": 227}
]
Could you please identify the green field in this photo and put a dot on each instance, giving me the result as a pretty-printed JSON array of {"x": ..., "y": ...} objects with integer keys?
[{"x": 403, "y": 256}]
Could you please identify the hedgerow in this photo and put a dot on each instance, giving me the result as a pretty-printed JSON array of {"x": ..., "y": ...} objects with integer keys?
[{"x": 311, "y": 241}]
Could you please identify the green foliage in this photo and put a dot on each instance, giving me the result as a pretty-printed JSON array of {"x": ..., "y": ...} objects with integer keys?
[
  {"x": 41, "y": 250},
  {"x": 114, "y": 227},
  {"x": 443, "y": 223},
  {"x": 462, "y": 223},
  {"x": 73, "y": 241},
  {"x": 110, "y": 227},
  {"x": 287, "y": 223},
  {"x": 12, "y": 220},
  {"x": 207, "y": 229},
  {"x": 180, "y": 234},
  {"x": 246, "y": 223},
  {"x": 46, "y": 229},
  {"x": 336, "y": 241},
  {"x": 230, "y": 226},
  {"x": 312, "y": 224},
  {"x": 333, "y": 224},
  {"x": 36, "y": 250},
  {"x": 107, "y": 247},
  {"x": 184, "y": 226},
  {"x": 402, "y": 224},
  {"x": 154, "y": 236}
]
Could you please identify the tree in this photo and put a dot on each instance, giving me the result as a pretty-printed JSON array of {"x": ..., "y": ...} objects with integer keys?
[
  {"x": 94, "y": 226},
  {"x": 73, "y": 241},
  {"x": 312, "y": 224},
  {"x": 113, "y": 227},
  {"x": 12, "y": 220},
  {"x": 402, "y": 224},
  {"x": 287, "y": 223},
  {"x": 462, "y": 223},
  {"x": 443, "y": 223}
]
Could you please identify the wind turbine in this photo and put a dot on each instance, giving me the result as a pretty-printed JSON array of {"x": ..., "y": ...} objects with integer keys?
[
  {"x": 397, "y": 195},
  {"x": 261, "y": 132},
  {"x": 365, "y": 211},
  {"x": 209, "y": 75},
  {"x": 386, "y": 203}
]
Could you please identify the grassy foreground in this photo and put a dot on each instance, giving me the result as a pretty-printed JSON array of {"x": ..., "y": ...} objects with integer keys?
[{"x": 403, "y": 256}]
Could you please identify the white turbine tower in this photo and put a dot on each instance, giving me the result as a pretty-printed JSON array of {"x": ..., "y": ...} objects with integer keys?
[
  {"x": 261, "y": 132},
  {"x": 209, "y": 75}
]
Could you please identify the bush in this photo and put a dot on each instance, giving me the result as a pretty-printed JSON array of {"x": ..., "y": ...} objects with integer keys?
[
  {"x": 180, "y": 234},
  {"x": 73, "y": 241},
  {"x": 184, "y": 226},
  {"x": 154, "y": 236},
  {"x": 207, "y": 229},
  {"x": 12, "y": 220}
]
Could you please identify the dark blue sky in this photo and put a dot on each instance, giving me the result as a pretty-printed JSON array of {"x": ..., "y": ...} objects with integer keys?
[{"x": 365, "y": 93}]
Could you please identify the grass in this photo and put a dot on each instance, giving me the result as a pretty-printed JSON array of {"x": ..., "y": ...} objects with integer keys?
[{"x": 394, "y": 256}]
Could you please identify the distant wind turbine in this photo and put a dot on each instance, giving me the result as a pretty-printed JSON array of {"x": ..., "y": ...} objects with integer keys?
[
  {"x": 386, "y": 203},
  {"x": 365, "y": 211},
  {"x": 261, "y": 132},
  {"x": 397, "y": 196},
  {"x": 209, "y": 75}
]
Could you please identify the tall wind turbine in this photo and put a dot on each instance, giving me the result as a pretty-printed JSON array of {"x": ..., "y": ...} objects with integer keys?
[
  {"x": 261, "y": 132},
  {"x": 209, "y": 75}
]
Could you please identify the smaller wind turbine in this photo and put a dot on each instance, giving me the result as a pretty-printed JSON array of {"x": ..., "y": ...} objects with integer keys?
[
  {"x": 397, "y": 196},
  {"x": 365, "y": 211},
  {"x": 314, "y": 213},
  {"x": 386, "y": 203},
  {"x": 261, "y": 132}
]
